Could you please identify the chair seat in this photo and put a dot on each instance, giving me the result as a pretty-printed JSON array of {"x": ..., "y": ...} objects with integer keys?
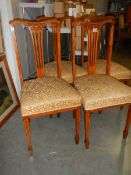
[
  {"x": 50, "y": 70},
  {"x": 118, "y": 71},
  {"x": 47, "y": 94},
  {"x": 100, "y": 91}
]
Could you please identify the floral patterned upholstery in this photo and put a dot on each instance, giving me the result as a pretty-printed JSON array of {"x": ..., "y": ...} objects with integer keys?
[
  {"x": 98, "y": 91},
  {"x": 50, "y": 70},
  {"x": 117, "y": 70},
  {"x": 47, "y": 94}
]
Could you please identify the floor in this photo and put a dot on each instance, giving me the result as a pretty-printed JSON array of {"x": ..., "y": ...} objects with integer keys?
[{"x": 55, "y": 151}]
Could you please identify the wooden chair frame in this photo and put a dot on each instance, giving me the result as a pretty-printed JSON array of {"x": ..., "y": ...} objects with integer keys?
[
  {"x": 35, "y": 28},
  {"x": 93, "y": 40}
]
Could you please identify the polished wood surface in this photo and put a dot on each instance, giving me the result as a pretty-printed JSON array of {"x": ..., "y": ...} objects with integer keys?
[
  {"x": 36, "y": 31},
  {"x": 92, "y": 30}
]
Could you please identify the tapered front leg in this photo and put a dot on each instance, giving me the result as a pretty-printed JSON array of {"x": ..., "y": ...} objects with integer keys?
[
  {"x": 128, "y": 122},
  {"x": 87, "y": 128},
  {"x": 28, "y": 134},
  {"x": 77, "y": 124}
]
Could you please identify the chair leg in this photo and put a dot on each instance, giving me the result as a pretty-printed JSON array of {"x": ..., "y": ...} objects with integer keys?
[
  {"x": 58, "y": 115},
  {"x": 100, "y": 111},
  {"x": 28, "y": 134},
  {"x": 128, "y": 122},
  {"x": 87, "y": 127},
  {"x": 50, "y": 115},
  {"x": 74, "y": 114},
  {"x": 77, "y": 125},
  {"x": 121, "y": 107}
]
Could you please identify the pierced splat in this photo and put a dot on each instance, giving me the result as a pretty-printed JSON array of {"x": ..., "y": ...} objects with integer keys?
[
  {"x": 93, "y": 32},
  {"x": 36, "y": 32}
]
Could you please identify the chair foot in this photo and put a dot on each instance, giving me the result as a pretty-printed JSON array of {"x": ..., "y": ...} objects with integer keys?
[
  {"x": 77, "y": 139},
  {"x": 87, "y": 144},
  {"x": 30, "y": 151},
  {"x": 125, "y": 134}
]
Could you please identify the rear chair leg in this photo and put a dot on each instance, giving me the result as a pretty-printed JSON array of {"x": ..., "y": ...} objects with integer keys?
[
  {"x": 77, "y": 125},
  {"x": 87, "y": 127},
  {"x": 58, "y": 115},
  {"x": 121, "y": 107},
  {"x": 74, "y": 114},
  {"x": 28, "y": 134},
  {"x": 100, "y": 111},
  {"x": 50, "y": 115},
  {"x": 128, "y": 122}
]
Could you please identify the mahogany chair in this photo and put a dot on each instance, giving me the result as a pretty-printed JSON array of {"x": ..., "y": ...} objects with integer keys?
[
  {"x": 117, "y": 70},
  {"x": 66, "y": 65},
  {"x": 99, "y": 91},
  {"x": 44, "y": 95}
]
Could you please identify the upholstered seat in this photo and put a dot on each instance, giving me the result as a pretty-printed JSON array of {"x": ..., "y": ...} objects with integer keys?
[
  {"x": 50, "y": 70},
  {"x": 117, "y": 70},
  {"x": 47, "y": 94},
  {"x": 96, "y": 89}
]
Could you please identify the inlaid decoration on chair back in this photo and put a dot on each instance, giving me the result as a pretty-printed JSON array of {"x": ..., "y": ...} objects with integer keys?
[
  {"x": 92, "y": 30},
  {"x": 36, "y": 30}
]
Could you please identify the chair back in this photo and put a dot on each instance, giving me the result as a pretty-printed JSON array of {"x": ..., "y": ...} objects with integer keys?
[
  {"x": 92, "y": 31},
  {"x": 36, "y": 31}
]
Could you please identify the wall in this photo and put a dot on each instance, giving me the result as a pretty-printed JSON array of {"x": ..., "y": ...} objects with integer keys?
[
  {"x": 22, "y": 41},
  {"x": 6, "y": 15},
  {"x": 100, "y": 5},
  {"x": 23, "y": 38}
]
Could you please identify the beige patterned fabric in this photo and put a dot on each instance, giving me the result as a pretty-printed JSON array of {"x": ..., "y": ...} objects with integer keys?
[
  {"x": 47, "y": 94},
  {"x": 50, "y": 70},
  {"x": 117, "y": 70},
  {"x": 98, "y": 91}
]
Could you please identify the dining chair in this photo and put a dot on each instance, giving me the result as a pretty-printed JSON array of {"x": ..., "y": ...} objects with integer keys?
[
  {"x": 99, "y": 91},
  {"x": 66, "y": 65},
  {"x": 117, "y": 70},
  {"x": 43, "y": 95}
]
